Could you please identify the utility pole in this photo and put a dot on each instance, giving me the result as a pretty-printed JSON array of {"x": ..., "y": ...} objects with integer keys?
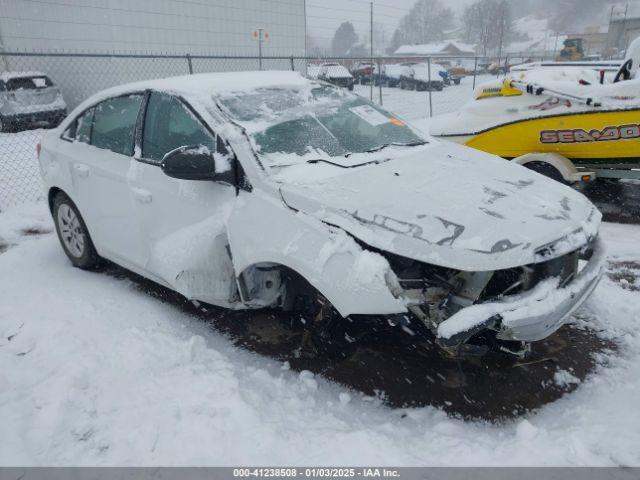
[
  {"x": 624, "y": 27},
  {"x": 371, "y": 49},
  {"x": 304, "y": 12},
  {"x": 260, "y": 35},
  {"x": 501, "y": 32},
  {"x": 260, "y": 32},
  {"x": 609, "y": 39}
]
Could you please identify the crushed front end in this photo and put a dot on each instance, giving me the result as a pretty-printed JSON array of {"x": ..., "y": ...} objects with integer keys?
[{"x": 473, "y": 312}]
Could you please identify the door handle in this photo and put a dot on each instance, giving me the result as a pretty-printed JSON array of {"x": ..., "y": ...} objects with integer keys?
[
  {"x": 141, "y": 195},
  {"x": 81, "y": 169}
]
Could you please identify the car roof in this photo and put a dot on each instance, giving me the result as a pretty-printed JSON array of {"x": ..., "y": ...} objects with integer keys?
[
  {"x": 201, "y": 87},
  {"x": 5, "y": 76},
  {"x": 213, "y": 83}
]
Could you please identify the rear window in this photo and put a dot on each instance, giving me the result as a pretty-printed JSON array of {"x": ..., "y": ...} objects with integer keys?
[{"x": 28, "y": 83}]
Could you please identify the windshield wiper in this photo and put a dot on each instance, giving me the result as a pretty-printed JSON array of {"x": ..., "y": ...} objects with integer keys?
[
  {"x": 382, "y": 147},
  {"x": 372, "y": 162}
]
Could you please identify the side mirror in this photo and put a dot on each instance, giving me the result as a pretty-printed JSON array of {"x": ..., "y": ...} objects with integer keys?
[{"x": 193, "y": 162}]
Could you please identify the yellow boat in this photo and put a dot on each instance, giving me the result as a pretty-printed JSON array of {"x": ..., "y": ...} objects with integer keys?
[{"x": 560, "y": 121}]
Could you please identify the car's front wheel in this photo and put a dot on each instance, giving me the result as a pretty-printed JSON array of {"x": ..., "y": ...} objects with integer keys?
[{"x": 73, "y": 234}]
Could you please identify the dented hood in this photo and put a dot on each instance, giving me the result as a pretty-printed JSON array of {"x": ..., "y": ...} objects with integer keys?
[{"x": 451, "y": 206}]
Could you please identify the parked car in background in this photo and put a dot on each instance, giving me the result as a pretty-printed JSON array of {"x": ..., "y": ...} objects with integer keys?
[
  {"x": 443, "y": 72},
  {"x": 336, "y": 74},
  {"x": 421, "y": 77},
  {"x": 253, "y": 190},
  {"x": 363, "y": 73},
  {"x": 29, "y": 99},
  {"x": 313, "y": 71},
  {"x": 456, "y": 74},
  {"x": 496, "y": 68},
  {"x": 392, "y": 73}
]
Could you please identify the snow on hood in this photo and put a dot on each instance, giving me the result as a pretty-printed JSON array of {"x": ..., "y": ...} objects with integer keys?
[{"x": 451, "y": 206}]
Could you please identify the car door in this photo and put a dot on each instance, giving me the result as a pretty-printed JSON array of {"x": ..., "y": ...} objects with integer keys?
[
  {"x": 183, "y": 222},
  {"x": 100, "y": 171}
]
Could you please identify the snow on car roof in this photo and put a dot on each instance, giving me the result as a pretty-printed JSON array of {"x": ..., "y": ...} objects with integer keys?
[
  {"x": 200, "y": 88},
  {"x": 4, "y": 76},
  {"x": 213, "y": 83}
]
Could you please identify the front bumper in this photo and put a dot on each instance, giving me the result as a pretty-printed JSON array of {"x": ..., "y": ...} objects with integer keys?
[{"x": 533, "y": 315}]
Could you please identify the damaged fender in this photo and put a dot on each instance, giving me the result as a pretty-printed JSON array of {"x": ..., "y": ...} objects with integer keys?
[{"x": 354, "y": 280}]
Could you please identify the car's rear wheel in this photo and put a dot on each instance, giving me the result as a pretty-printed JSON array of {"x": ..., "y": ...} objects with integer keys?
[{"x": 73, "y": 234}]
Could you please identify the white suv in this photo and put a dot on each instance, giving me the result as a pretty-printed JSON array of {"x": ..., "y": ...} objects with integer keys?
[{"x": 264, "y": 189}]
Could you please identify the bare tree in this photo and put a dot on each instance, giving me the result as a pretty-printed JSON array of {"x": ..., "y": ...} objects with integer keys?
[
  {"x": 488, "y": 23},
  {"x": 427, "y": 21}
]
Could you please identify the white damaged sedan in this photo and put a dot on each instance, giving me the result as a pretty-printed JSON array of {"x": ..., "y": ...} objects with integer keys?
[{"x": 266, "y": 190}]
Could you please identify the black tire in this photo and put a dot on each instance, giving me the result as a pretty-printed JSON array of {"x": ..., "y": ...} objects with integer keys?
[
  {"x": 73, "y": 235},
  {"x": 547, "y": 170},
  {"x": 5, "y": 126}
]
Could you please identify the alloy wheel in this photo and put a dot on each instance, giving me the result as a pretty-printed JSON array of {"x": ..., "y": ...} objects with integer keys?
[{"x": 71, "y": 230}]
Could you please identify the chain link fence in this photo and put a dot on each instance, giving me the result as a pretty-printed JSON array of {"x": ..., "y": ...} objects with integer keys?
[{"x": 38, "y": 89}]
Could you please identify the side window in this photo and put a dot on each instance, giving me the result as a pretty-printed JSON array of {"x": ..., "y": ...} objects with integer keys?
[
  {"x": 80, "y": 128},
  {"x": 114, "y": 124},
  {"x": 170, "y": 124}
]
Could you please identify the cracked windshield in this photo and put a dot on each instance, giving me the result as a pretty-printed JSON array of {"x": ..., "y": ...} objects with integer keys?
[{"x": 320, "y": 124}]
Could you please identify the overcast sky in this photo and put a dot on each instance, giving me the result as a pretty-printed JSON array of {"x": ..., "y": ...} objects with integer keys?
[{"x": 324, "y": 16}]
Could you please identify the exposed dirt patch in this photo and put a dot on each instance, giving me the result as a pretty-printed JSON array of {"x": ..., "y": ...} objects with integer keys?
[
  {"x": 619, "y": 202},
  {"x": 625, "y": 274},
  {"x": 390, "y": 364}
]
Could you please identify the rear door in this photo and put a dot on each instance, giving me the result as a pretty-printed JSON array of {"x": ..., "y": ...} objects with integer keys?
[
  {"x": 100, "y": 170},
  {"x": 183, "y": 222}
]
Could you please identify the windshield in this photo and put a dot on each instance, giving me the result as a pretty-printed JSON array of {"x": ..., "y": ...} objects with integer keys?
[{"x": 291, "y": 127}]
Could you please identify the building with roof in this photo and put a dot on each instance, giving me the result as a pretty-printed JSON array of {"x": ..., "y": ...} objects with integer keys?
[
  {"x": 175, "y": 27},
  {"x": 449, "y": 48},
  {"x": 223, "y": 27}
]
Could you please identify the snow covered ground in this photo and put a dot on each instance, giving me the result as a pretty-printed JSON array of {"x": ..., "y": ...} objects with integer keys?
[
  {"x": 413, "y": 105},
  {"x": 96, "y": 372}
]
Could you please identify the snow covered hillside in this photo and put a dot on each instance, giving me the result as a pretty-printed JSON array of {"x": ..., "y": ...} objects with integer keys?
[{"x": 96, "y": 372}]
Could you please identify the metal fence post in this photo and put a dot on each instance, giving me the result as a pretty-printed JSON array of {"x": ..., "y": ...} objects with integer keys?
[
  {"x": 475, "y": 71},
  {"x": 379, "y": 79},
  {"x": 429, "y": 86},
  {"x": 189, "y": 64},
  {"x": 293, "y": 68}
]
